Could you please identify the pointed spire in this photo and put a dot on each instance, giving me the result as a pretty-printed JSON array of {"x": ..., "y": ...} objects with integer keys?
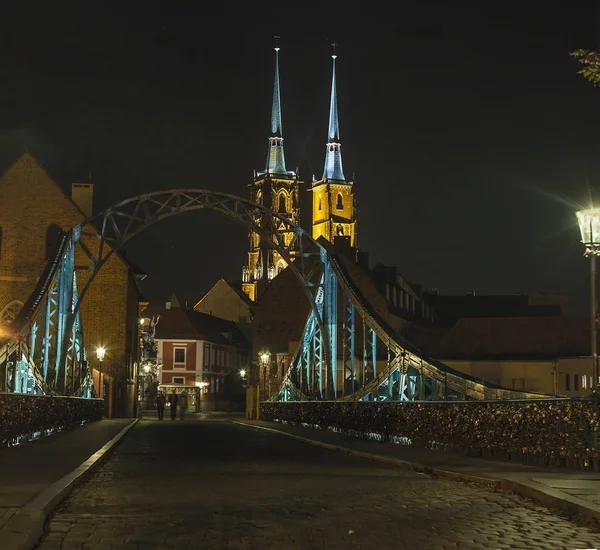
[
  {"x": 333, "y": 155},
  {"x": 276, "y": 129},
  {"x": 276, "y": 157}
]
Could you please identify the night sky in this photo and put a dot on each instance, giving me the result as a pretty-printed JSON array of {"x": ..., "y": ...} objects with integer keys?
[{"x": 471, "y": 137}]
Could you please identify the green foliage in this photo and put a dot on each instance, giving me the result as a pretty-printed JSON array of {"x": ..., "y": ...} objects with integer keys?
[
  {"x": 22, "y": 416},
  {"x": 546, "y": 429},
  {"x": 590, "y": 62}
]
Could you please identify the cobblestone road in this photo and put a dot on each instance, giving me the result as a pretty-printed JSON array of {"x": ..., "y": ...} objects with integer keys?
[{"x": 202, "y": 484}]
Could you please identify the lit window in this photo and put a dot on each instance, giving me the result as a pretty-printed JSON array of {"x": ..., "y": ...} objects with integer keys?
[
  {"x": 180, "y": 356},
  {"x": 583, "y": 382}
]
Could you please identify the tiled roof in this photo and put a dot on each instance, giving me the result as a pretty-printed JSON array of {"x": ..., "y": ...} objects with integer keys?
[
  {"x": 179, "y": 323},
  {"x": 515, "y": 337}
]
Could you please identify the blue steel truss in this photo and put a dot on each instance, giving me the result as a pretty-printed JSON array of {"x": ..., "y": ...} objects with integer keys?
[{"x": 45, "y": 350}]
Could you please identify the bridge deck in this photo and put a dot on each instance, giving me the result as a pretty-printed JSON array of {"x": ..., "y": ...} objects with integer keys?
[{"x": 211, "y": 484}]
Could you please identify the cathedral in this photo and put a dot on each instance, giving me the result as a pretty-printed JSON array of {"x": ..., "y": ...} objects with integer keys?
[{"x": 278, "y": 188}]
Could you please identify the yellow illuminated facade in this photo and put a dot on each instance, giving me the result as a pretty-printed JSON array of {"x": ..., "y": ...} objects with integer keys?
[
  {"x": 333, "y": 210},
  {"x": 281, "y": 194}
]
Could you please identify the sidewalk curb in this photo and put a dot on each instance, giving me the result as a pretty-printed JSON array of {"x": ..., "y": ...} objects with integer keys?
[
  {"x": 547, "y": 496},
  {"x": 26, "y": 525}
]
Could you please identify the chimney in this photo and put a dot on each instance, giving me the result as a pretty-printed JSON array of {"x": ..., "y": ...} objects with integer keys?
[
  {"x": 167, "y": 305},
  {"x": 82, "y": 194}
]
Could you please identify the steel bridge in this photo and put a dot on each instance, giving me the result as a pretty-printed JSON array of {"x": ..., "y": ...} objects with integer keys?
[{"x": 352, "y": 356}]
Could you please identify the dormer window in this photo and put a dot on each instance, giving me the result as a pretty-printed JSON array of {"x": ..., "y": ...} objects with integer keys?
[{"x": 333, "y": 147}]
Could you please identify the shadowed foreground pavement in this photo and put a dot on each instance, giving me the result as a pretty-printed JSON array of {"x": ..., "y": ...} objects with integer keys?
[{"x": 210, "y": 484}]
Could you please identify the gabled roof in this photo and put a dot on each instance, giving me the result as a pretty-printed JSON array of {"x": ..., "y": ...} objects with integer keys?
[
  {"x": 233, "y": 286},
  {"x": 27, "y": 157},
  {"x": 180, "y": 323}
]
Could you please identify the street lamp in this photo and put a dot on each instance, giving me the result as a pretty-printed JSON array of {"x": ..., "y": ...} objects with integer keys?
[
  {"x": 100, "y": 355},
  {"x": 589, "y": 225},
  {"x": 264, "y": 359}
]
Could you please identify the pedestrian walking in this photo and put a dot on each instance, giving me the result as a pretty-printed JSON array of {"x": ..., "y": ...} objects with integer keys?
[
  {"x": 183, "y": 405},
  {"x": 173, "y": 398},
  {"x": 160, "y": 404}
]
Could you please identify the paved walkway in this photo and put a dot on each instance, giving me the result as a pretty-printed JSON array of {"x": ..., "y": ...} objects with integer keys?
[
  {"x": 26, "y": 470},
  {"x": 214, "y": 484},
  {"x": 34, "y": 476}
]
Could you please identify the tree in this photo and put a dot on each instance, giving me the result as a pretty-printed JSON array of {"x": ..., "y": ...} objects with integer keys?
[{"x": 590, "y": 62}]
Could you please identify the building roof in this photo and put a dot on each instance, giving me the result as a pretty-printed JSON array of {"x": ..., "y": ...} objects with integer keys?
[
  {"x": 449, "y": 308},
  {"x": 236, "y": 287},
  {"x": 181, "y": 323},
  {"x": 515, "y": 337}
]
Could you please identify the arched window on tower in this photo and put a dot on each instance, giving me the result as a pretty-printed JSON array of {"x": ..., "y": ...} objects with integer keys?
[
  {"x": 282, "y": 207},
  {"x": 52, "y": 239},
  {"x": 340, "y": 202},
  {"x": 319, "y": 203}
]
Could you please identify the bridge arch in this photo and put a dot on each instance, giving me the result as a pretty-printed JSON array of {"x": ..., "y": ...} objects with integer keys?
[{"x": 117, "y": 224}]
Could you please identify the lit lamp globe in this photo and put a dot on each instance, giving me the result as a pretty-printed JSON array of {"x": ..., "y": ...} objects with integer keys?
[
  {"x": 100, "y": 353},
  {"x": 146, "y": 368},
  {"x": 589, "y": 225}
]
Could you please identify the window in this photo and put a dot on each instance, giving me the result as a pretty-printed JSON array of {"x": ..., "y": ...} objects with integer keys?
[
  {"x": 179, "y": 356},
  {"x": 178, "y": 380},
  {"x": 583, "y": 382},
  {"x": 568, "y": 382},
  {"x": 282, "y": 207},
  {"x": 52, "y": 239},
  {"x": 319, "y": 203},
  {"x": 576, "y": 382},
  {"x": 518, "y": 384},
  {"x": 340, "y": 202}
]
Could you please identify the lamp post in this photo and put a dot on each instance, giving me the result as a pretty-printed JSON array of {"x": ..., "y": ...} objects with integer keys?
[
  {"x": 100, "y": 355},
  {"x": 589, "y": 225},
  {"x": 264, "y": 359}
]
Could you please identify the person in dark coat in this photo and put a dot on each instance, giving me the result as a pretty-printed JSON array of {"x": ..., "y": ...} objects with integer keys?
[
  {"x": 160, "y": 405},
  {"x": 173, "y": 398}
]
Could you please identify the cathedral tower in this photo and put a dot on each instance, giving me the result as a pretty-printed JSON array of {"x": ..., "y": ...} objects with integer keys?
[
  {"x": 276, "y": 188},
  {"x": 333, "y": 196}
]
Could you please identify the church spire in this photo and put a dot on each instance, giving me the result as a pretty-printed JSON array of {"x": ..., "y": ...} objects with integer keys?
[
  {"x": 333, "y": 155},
  {"x": 276, "y": 157}
]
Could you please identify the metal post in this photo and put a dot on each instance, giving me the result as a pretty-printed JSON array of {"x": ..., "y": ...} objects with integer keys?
[
  {"x": 593, "y": 319},
  {"x": 100, "y": 384}
]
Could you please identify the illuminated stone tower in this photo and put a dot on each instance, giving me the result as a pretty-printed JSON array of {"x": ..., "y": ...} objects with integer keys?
[
  {"x": 333, "y": 196},
  {"x": 276, "y": 188}
]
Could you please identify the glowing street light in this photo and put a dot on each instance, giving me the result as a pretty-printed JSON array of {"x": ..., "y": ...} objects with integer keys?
[
  {"x": 243, "y": 373},
  {"x": 100, "y": 352},
  {"x": 589, "y": 225}
]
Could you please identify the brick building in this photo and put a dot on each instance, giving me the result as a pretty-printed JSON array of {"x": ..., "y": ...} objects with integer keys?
[
  {"x": 197, "y": 350},
  {"x": 33, "y": 212}
]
